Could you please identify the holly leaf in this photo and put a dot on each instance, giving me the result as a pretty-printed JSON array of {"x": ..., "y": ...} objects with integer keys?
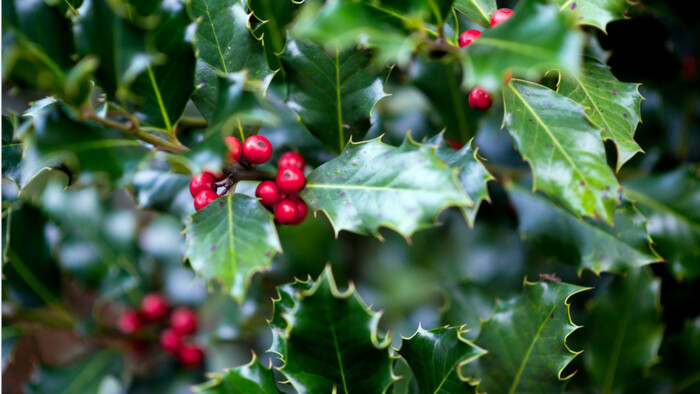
[
  {"x": 584, "y": 243},
  {"x": 332, "y": 343},
  {"x": 611, "y": 105},
  {"x": 224, "y": 44},
  {"x": 332, "y": 93},
  {"x": 433, "y": 12},
  {"x": 283, "y": 305},
  {"x": 163, "y": 190},
  {"x": 480, "y": 11},
  {"x": 249, "y": 378},
  {"x": 563, "y": 148},
  {"x": 11, "y": 152},
  {"x": 680, "y": 357},
  {"x": 536, "y": 39},
  {"x": 120, "y": 46},
  {"x": 596, "y": 13},
  {"x": 624, "y": 330},
  {"x": 670, "y": 201},
  {"x": 166, "y": 89},
  {"x": 275, "y": 17},
  {"x": 526, "y": 341},
  {"x": 372, "y": 185},
  {"x": 89, "y": 375},
  {"x": 437, "y": 357},
  {"x": 230, "y": 240}
]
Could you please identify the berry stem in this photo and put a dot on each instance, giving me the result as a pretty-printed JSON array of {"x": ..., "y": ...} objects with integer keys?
[{"x": 236, "y": 174}]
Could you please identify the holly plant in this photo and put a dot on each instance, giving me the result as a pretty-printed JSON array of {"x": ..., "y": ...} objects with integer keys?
[{"x": 350, "y": 196}]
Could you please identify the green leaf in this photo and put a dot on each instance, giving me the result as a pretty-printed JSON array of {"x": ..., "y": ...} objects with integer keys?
[
  {"x": 584, "y": 243},
  {"x": 468, "y": 303},
  {"x": 473, "y": 176},
  {"x": 224, "y": 44},
  {"x": 372, "y": 185},
  {"x": 331, "y": 342},
  {"x": 250, "y": 378},
  {"x": 624, "y": 330},
  {"x": 11, "y": 152},
  {"x": 596, "y": 13},
  {"x": 680, "y": 357},
  {"x": 526, "y": 341},
  {"x": 536, "y": 39},
  {"x": 670, "y": 201},
  {"x": 163, "y": 190},
  {"x": 166, "y": 89},
  {"x": 563, "y": 149},
  {"x": 430, "y": 11},
  {"x": 611, "y": 105},
  {"x": 480, "y": 11},
  {"x": 275, "y": 15},
  {"x": 230, "y": 240},
  {"x": 333, "y": 93},
  {"x": 120, "y": 46},
  {"x": 284, "y": 305},
  {"x": 437, "y": 357},
  {"x": 89, "y": 375}
]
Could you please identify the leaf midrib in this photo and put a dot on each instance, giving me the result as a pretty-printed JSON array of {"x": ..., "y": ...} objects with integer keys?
[
  {"x": 216, "y": 37},
  {"x": 656, "y": 204},
  {"x": 231, "y": 242},
  {"x": 614, "y": 357},
  {"x": 93, "y": 367},
  {"x": 331, "y": 326}
]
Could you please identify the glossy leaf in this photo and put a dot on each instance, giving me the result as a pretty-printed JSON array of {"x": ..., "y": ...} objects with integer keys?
[
  {"x": 224, "y": 44},
  {"x": 611, "y": 105},
  {"x": 563, "y": 148},
  {"x": 670, "y": 201},
  {"x": 437, "y": 357},
  {"x": 288, "y": 295},
  {"x": 372, "y": 185},
  {"x": 596, "y": 13},
  {"x": 230, "y": 240},
  {"x": 480, "y": 11},
  {"x": 526, "y": 341},
  {"x": 163, "y": 190},
  {"x": 332, "y": 92},
  {"x": 536, "y": 39},
  {"x": 275, "y": 15},
  {"x": 11, "y": 152},
  {"x": 88, "y": 375},
  {"x": 624, "y": 330},
  {"x": 165, "y": 89},
  {"x": 584, "y": 243},
  {"x": 332, "y": 342},
  {"x": 250, "y": 378}
]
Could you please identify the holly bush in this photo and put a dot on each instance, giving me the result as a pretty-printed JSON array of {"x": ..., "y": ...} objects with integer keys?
[{"x": 486, "y": 211}]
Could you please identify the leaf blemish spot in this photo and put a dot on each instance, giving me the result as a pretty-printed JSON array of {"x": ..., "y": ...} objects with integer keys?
[
  {"x": 213, "y": 248},
  {"x": 573, "y": 6}
]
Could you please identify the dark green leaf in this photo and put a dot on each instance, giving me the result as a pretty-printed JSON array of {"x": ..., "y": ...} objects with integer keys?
[
  {"x": 89, "y": 375},
  {"x": 526, "y": 341},
  {"x": 536, "y": 39},
  {"x": 287, "y": 297},
  {"x": 163, "y": 190},
  {"x": 11, "y": 152},
  {"x": 596, "y": 13},
  {"x": 331, "y": 342},
  {"x": 372, "y": 185},
  {"x": 230, "y": 240},
  {"x": 275, "y": 16},
  {"x": 563, "y": 149},
  {"x": 480, "y": 11},
  {"x": 437, "y": 357},
  {"x": 611, "y": 105},
  {"x": 224, "y": 44},
  {"x": 430, "y": 11},
  {"x": 468, "y": 303},
  {"x": 585, "y": 243},
  {"x": 624, "y": 330},
  {"x": 670, "y": 202},
  {"x": 680, "y": 358},
  {"x": 251, "y": 378},
  {"x": 333, "y": 93}
]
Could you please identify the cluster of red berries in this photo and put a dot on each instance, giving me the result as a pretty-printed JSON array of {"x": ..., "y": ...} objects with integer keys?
[
  {"x": 154, "y": 310},
  {"x": 479, "y": 98},
  {"x": 281, "y": 195}
]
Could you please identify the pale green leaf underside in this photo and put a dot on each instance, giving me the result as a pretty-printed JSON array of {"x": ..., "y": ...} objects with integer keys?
[
  {"x": 596, "y": 13},
  {"x": 230, "y": 240},
  {"x": 372, "y": 185},
  {"x": 480, "y": 11},
  {"x": 611, "y": 105},
  {"x": 563, "y": 148}
]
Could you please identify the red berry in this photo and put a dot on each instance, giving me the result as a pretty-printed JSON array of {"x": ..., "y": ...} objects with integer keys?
[
  {"x": 454, "y": 144},
  {"x": 302, "y": 210},
  {"x": 286, "y": 211},
  {"x": 468, "y": 37},
  {"x": 201, "y": 182},
  {"x": 129, "y": 321},
  {"x": 290, "y": 179},
  {"x": 235, "y": 150},
  {"x": 480, "y": 99},
  {"x": 268, "y": 193},
  {"x": 257, "y": 149},
  {"x": 184, "y": 321},
  {"x": 154, "y": 307},
  {"x": 501, "y": 15},
  {"x": 190, "y": 355},
  {"x": 204, "y": 198},
  {"x": 291, "y": 159},
  {"x": 170, "y": 341}
]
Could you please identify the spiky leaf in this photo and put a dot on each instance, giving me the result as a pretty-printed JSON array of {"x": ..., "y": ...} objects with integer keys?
[
  {"x": 372, "y": 185},
  {"x": 611, "y": 105},
  {"x": 437, "y": 357},
  {"x": 526, "y": 341},
  {"x": 275, "y": 16},
  {"x": 251, "y": 378},
  {"x": 563, "y": 149},
  {"x": 332, "y": 92},
  {"x": 230, "y": 240},
  {"x": 480, "y": 11},
  {"x": 596, "y": 13}
]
